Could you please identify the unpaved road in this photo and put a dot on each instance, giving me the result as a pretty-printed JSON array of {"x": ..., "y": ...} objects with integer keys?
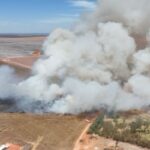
[
  {"x": 78, "y": 145},
  {"x": 25, "y": 62}
]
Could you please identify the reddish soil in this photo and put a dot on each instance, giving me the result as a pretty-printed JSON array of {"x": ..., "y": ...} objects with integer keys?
[
  {"x": 20, "y": 61},
  {"x": 14, "y": 147}
]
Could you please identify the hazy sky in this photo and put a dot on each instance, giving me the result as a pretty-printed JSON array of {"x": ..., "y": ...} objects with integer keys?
[{"x": 40, "y": 16}]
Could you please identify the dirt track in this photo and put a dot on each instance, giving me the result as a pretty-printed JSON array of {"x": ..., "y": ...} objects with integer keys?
[
  {"x": 78, "y": 145},
  {"x": 21, "y": 61}
]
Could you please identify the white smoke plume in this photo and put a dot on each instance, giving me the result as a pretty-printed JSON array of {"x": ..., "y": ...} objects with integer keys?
[
  {"x": 95, "y": 65},
  {"x": 7, "y": 81}
]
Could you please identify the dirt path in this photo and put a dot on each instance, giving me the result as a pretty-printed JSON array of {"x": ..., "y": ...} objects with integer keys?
[
  {"x": 9, "y": 62},
  {"x": 78, "y": 145},
  {"x": 21, "y": 61},
  {"x": 36, "y": 143}
]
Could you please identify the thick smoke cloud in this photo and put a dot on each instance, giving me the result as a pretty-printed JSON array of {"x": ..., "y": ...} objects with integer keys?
[
  {"x": 133, "y": 14},
  {"x": 7, "y": 80},
  {"x": 95, "y": 65}
]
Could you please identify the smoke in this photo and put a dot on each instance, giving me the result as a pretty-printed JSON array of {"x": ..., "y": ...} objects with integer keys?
[
  {"x": 7, "y": 79},
  {"x": 133, "y": 14},
  {"x": 95, "y": 65}
]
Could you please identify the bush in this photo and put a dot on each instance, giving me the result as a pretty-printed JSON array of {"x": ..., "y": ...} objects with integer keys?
[
  {"x": 136, "y": 125},
  {"x": 135, "y": 132},
  {"x": 96, "y": 126},
  {"x": 108, "y": 129}
]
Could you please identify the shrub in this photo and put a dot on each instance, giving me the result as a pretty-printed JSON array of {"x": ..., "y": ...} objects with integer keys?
[
  {"x": 108, "y": 129},
  {"x": 96, "y": 126},
  {"x": 137, "y": 124}
]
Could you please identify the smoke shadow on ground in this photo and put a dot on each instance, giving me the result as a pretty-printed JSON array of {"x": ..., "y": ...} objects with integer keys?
[{"x": 8, "y": 105}]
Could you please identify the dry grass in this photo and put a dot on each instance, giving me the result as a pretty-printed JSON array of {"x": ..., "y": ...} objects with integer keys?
[{"x": 49, "y": 132}]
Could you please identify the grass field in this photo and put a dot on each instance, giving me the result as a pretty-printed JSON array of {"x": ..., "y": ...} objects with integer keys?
[{"x": 46, "y": 132}]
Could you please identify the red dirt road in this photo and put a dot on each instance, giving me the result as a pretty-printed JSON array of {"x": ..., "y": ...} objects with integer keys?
[
  {"x": 78, "y": 145},
  {"x": 20, "y": 61}
]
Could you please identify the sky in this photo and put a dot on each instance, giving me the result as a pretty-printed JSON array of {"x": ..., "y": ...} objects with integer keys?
[{"x": 40, "y": 16}]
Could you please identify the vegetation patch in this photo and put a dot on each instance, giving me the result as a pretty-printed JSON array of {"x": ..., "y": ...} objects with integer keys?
[{"x": 135, "y": 130}]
